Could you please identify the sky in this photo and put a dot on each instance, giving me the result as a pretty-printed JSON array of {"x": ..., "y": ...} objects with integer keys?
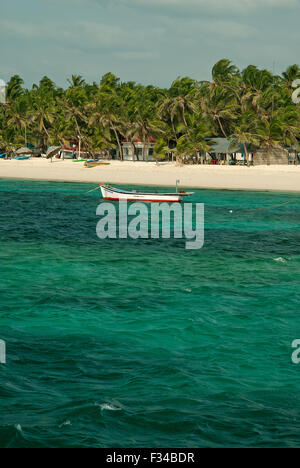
[{"x": 147, "y": 41}]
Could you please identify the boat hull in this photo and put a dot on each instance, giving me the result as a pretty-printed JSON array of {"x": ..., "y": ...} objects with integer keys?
[
  {"x": 95, "y": 164},
  {"x": 115, "y": 195}
]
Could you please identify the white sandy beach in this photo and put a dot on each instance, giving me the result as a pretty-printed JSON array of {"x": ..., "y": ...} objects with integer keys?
[{"x": 276, "y": 178}]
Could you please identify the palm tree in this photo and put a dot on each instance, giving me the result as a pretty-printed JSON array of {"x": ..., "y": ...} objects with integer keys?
[
  {"x": 59, "y": 133},
  {"x": 223, "y": 71},
  {"x": 6, "y": 143},
  {"x": 254, "y": 83},
  {"x": 177, "y": 104},
  {"x": 178, "y": 107},
  {"x": 197, "y": 140},
  {"x": 221, "y": 110},
  {"x": 75, "y": 116},
  {"x": 103, "y": 113},
  {"x": 251, "y": 106},
  {"x": 168, "y": 112},
  {"x": 76, "y": 81},
  {"x": 145, "y": 129},
  {"x": 290, "y": 123},
  {"x": 17, "y": 116},
  {"x": 129, "y": 133},
  {"x": 291, "y": 74},
  {"x": 14, "y": 88},
  {"x": 226, "y": 76},
  {"x": 270, "y": 135},
  {"x": 144, "y": 117},
  {"x": 244, "y": 133},
  {"x": 41, "y": 117},
  {"x": 161, "y": 148}
]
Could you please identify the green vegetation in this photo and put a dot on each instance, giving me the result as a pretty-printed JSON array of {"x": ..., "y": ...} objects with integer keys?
[{"x": 250, "y": 106}]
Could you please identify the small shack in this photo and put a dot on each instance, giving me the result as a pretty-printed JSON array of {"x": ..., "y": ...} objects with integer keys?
[
  {"x": 276, "y": 155},
  {"x": 224, "y": 152},
  {"x": 138, "y": 150}
]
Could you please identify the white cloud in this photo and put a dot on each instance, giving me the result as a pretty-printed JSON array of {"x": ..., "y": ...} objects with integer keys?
[
  {"x": 138, "y": 55},
  {"x": 145, "y": 40},
  {"x": 216, "y": 6},
  {"x": 81, "y": 34},
  {"x": 222, "y": 4},
  {"x": 224, "y": 28},
  {"x": 217, "y": 3}
]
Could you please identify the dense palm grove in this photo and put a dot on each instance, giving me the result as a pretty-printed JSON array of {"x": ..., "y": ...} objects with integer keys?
[{"x": 248, "y": 107}]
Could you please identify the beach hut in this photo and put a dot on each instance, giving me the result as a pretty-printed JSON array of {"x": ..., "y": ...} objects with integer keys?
[
  {"x": 22, "y": 151},
  {"x": 138, "y": 150},
  {"x": 223, "y": 151},
  {"x": 276, "y": 155},
  {"x": 52, "y": 151},
  {"x": 36, "y": 151},
  {"x": 294, "y": 155}
]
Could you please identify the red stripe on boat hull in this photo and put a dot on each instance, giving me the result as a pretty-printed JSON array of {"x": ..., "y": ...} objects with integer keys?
[{"x": 142, "y": 199}]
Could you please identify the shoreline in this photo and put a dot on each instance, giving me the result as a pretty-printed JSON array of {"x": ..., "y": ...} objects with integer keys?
[{"x": 257, "y": 178}]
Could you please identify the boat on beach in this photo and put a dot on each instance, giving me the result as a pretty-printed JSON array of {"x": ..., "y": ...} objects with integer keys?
[
  {"x": 112, "y": 193},
  {"x": 96, "y": 163}
]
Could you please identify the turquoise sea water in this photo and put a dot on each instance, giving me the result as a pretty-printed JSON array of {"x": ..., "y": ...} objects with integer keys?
[{"x": 141, "y": 343}]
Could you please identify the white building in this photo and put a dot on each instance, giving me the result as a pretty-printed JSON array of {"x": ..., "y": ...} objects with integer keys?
[{"x": 143, "y": 152}]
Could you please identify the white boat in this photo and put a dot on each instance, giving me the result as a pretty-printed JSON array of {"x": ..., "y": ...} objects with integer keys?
[{"x": 112, "y": 193}]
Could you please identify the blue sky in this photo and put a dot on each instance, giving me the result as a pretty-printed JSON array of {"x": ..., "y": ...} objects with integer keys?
[{"x": 149, "y": 41}]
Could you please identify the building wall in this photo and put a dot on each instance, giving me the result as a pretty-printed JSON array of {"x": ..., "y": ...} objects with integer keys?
[
  {"x": 277, "y": 156},
  {"x": 128, "y": 152}
]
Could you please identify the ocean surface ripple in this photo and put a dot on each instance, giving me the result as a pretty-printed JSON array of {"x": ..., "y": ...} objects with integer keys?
[{"x": 142, "y": 343}]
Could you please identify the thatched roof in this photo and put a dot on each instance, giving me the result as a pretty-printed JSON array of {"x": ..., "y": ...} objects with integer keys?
[
  {"x": 52, "y": 151},
  {"x": 23, "y": 150}
]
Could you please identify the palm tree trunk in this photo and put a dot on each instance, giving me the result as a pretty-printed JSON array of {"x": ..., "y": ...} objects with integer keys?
[
  {"x": 144, "y": 145},
  {"x": 118, "y": 142},
  {"x": 246, "y": 153},
  {"x": 46, "y": 131},
  {"x": 133, "y": 151},
  {"x": 174, "y": 131},
  {"x": 77, "y": 127},
  {"x": 148, "y": 148},
  {"x": 184, "y": 120},
  {"x": 221, "y": 127}
]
